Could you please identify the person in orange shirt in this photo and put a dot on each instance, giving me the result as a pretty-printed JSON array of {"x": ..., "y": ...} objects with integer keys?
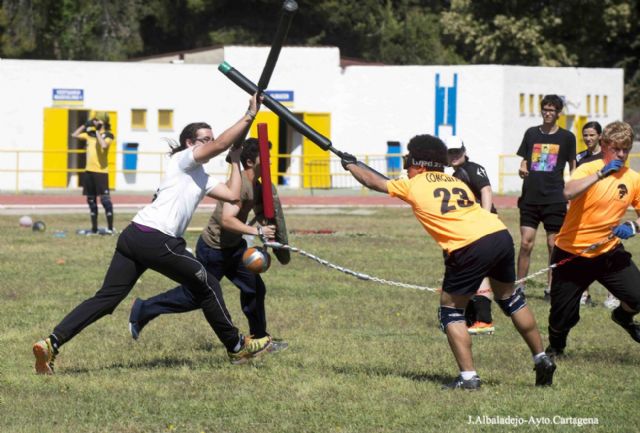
[
  {"x": 477, "y": 245},
  {"x": 600, "y": 193}
]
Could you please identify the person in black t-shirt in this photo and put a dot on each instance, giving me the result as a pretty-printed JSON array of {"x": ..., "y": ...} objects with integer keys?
[
  {"x": 478, "y": 311},
  {"x": 545, "y": 150}
]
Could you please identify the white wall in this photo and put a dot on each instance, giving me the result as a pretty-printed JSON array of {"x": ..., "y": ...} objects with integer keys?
[
  {"x": 573, "y": 84},
  {"x": 194, "y": 92},
  {"x": 369, "y": 105}
]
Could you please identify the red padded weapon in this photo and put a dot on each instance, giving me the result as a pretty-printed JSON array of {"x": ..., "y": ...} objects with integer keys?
[{"x": 265, "y": 171}]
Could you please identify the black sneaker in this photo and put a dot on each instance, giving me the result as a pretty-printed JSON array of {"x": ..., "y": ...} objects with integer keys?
[
  {"x": 545, "y": 367},
  {"x": 547, "y": 295},
  {"x": 554, "y": 353},
  {"x": 633, "y": 328},
  {"x": 460, "y": 383}
]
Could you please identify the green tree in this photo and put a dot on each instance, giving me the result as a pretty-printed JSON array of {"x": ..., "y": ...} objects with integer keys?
[
  {"x": 399, "y": 32},
  {"x": 586, "y": 33},
  {"x": 70, "y": 29}
]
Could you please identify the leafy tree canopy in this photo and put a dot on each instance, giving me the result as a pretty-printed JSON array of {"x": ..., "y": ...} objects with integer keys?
[{"x": 590, "y": 33}]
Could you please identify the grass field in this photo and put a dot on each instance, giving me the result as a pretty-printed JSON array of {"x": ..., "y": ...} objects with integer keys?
[{"x": 363, "y": 357}]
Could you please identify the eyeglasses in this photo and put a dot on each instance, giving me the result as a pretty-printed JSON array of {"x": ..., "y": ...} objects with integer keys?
[
  {"x": 549, "y": 111},
  {"x": 203, "y": 139}
]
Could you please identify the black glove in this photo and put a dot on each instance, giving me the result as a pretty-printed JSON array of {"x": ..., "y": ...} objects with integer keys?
[
  {"x": 347, "y": 159},
  {"x": 88, "y": 124}
]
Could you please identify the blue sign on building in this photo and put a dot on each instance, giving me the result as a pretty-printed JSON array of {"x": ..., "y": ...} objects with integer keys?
[
  {"x": 68, "y": 96},
  {"x": 285, "y": 97},
  {"x": 446, "y": 105}
]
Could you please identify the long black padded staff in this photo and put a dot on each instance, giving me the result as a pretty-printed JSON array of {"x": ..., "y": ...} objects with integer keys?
[{"x": 289, "y": 8}]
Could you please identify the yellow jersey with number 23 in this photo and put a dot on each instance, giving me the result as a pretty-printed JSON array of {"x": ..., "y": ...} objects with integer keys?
[{"x": 446, "y": 208}]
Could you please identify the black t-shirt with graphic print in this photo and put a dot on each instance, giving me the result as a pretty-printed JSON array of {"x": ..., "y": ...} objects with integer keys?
[
  {"x": 546, "y": 156},
  {"x": 475, "y": 176}
]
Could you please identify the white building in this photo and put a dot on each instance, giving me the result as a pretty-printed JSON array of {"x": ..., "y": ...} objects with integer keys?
[{"x": 360, "y": 108}]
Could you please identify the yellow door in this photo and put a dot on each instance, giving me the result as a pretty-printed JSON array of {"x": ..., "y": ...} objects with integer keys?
[
  {"x": 113, "y": 121},
  {"x": 57, "y": 134},
  {"x": 55, "y": 146},
  {"x": 273, "y": 128},
  {"x": 580, "y": 122},
  {"x": 315, "y": 169}
]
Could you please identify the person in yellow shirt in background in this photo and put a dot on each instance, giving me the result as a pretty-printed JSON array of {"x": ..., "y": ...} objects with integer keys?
[
  {"x": 477, "y": 245},
  {"x": 600, "y": 193},
  {"x": 97, "y": 134}
]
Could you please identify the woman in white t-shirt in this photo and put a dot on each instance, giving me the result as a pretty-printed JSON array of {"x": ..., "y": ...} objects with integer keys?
[{"x": 154, "y": 241}]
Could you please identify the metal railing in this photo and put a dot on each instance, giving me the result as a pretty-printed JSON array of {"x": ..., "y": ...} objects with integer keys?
[
  {"x": 509, "y": 164},
  {"x": 301, "y": 172}
]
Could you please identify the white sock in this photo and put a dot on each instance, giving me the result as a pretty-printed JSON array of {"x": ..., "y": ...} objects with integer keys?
[
  {"x": 538, "y": 357},
  {"x": 466, "y": 375}
]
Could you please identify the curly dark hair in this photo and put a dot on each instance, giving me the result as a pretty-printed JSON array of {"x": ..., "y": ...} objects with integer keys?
[
  {"x": 428, "y": 148},
  {"x": 250, "y": 151}
]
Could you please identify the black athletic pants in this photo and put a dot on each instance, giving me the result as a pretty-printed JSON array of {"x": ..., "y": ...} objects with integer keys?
[
  {"x": 614, "y": 270},
  {"x": 226, "y": 262},
  {"x": 137, "y": 251}
]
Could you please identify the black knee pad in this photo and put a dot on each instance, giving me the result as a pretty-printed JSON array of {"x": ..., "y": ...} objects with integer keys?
[
  {"x": 106, "y": 203},
  {"x": 449, "y": 315},
  {"x": 93, "y": 205},
  {"x": 513, "y": 303}
]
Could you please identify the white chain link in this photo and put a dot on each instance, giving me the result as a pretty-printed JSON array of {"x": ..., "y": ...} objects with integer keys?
[
  {"x": 367, "y": 277},
  {"x": 358, "y": 275},
  {"x": 555, "y": 265}
]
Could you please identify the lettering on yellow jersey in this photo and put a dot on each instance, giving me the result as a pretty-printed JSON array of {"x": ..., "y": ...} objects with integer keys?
[{"x": 439, "y": 177}]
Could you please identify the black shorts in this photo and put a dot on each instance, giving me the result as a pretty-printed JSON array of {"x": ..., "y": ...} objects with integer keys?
[
  {"x": 614, "y": 270},
  {"x": 551, "y": 215},
  {"x": 490, "y": 256},
  {"x": 95, "y": 184}
]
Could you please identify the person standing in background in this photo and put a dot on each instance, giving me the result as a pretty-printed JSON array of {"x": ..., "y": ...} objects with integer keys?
[
  {"x": 545, "y": 150},
  {"x": 97, "y": 135},
  {"x": 478, "y": 311}
]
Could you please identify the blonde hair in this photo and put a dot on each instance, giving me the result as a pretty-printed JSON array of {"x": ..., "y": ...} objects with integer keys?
[{"x": 618, "y": 133}]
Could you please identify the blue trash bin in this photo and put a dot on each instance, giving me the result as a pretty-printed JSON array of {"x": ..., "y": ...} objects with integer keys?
[
  {"x": 394, "y": 163},
  {"x": 130, "y": 156}
]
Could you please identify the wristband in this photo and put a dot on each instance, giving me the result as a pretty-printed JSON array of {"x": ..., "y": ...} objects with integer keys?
[
  {"x": 600, "y": 174},
  {"x": 260, "y": 231},
  {"x": 250, "y": 114}
]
